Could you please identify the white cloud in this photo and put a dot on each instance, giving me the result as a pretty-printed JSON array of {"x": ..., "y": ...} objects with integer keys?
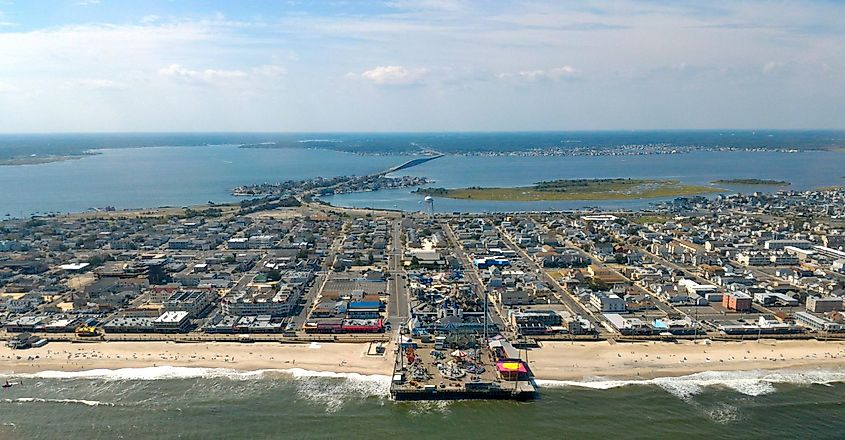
[
  {"x": 4, "y": 22},
  {"x": 270, "y": 70},
  {"x": 553, "y": 74},
  {"x": 95, "y": 84},
  {"x": 392, "y": 75},
  {"x": 7, "y": 88},
  {"x": 209, "y": 76},
  {"x": 771, "y": 66},
  {"x": 151, "y": 18},
  {"x": 220, "y": 77},
  {"x": 430, "y": 5}
]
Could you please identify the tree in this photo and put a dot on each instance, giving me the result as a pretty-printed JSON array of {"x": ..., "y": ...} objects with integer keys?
[{"x": 274, "y": 275}]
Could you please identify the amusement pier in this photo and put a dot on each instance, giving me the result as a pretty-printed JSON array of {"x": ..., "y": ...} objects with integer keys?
[{"x": 435, "y": 371}]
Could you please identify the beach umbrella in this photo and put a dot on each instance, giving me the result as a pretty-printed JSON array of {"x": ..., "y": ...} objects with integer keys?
[{"x": 459, "y": 353}]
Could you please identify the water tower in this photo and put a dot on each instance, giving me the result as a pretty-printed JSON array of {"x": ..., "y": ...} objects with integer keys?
[{"x": 428, "y": 201}]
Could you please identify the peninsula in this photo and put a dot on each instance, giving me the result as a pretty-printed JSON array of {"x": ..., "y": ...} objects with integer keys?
[{"x": 576, "y": 189}]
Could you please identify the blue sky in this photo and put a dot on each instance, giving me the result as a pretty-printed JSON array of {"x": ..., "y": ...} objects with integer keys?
[{"x": 428, "y": 65}]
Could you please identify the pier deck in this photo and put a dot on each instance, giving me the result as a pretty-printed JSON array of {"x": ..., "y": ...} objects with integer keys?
[{"x": 406, "y": 385}]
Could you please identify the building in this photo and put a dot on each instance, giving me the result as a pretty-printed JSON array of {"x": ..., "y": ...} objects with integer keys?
[
  {"x": 628, "y": 325},
  {"x": 778, "y": 245},
  {"x": 817, "y": 304},
  {"x": 193, "y": 301},
  {"x": 129, "y": 324},
  {"x": 737, "y": 301},
  {"x": 261, "y": 299},
  {"x": 817, "y": 323},
  {"x": 364, "y": 309},
  {"x": 172, "y": 322},
  {"x": 753, "y": 259},
  {"x": 607, "y": 302},
  {"x": 512, "y": 297}
]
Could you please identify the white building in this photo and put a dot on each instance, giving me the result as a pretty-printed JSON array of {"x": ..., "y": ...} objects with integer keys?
[
  {"x": 817, "y": 323},
  {"x": 262, "y": 299},
  {"x": 777, "y": 245},
  {"x": 607, "y": 302},
  {"x": 172, "y": 322}
]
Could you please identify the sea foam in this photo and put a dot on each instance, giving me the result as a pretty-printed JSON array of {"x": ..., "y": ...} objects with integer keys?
[
  {"x": 63, "y": 401},
  {"x": 750, "y": 383},
  {"x": 171, "y": 372}
]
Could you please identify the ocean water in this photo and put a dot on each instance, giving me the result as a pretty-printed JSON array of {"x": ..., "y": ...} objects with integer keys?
[
  {"x": 804, "y": 170},
  {"x": 167, "y": 176},
  {"x": 150, "y": 177},
  {"x": 196, "y": 403}
]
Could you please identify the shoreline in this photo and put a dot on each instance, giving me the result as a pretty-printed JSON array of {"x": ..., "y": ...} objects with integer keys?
[
  {"x": 554, "y": 361},
  {"x": 41, "y": 160}
]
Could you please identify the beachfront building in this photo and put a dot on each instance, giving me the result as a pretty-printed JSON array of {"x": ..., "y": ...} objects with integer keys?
[
  {"x": 193, "y": 301},
  {"x": 817, "y": 323},
  {"x": 261, "y": 299},
  {"x": 170, "y": 322},
  {"x": 607, "y": 302}
]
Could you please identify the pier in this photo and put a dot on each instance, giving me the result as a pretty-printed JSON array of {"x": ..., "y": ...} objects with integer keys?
[{"x": 425, "y": 371}]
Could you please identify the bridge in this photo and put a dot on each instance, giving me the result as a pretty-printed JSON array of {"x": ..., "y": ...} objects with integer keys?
[{"x": 411, "y": 163}]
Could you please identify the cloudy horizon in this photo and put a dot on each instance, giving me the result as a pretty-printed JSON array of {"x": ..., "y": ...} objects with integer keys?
[{"x": 430, "y": 65}]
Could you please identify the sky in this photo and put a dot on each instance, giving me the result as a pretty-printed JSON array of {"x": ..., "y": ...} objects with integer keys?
[{"x": 427, "y": 65}]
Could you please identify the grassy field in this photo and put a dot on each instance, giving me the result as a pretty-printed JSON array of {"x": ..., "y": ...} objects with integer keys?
[{"x": 581, "y": 189}]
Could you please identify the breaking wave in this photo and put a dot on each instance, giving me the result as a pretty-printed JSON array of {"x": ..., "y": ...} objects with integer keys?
[
  {"x": 169, "y": 372},
  {"x": 328, "y": 389},
  {"x": 750, "y": 383},
  {"x": 63, "y": 401}
]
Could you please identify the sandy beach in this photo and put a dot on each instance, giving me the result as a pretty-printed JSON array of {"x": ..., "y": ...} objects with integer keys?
[
  {"x": 585, "y": 360},
  {"x": 66, "y": 356},
  {"x": 572, "y": 361}
]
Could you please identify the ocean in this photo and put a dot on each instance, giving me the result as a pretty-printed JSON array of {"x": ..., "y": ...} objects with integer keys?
[
  {"x": 147, "y": 171},
  {"x": 196, "y": 403}
]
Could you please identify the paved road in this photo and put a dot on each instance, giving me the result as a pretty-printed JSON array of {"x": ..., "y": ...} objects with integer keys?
[
  {"x": 560, "y": 293},
  {"x": 470, "y": 269},
  {"x": 319, "y": 282},
  {"x": 398, "y": 309}
]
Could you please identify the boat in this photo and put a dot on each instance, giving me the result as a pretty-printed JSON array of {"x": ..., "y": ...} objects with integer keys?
[{"x": 10, "y": 384}]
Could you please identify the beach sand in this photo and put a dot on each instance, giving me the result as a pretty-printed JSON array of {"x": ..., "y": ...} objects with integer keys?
[
  {"x": 584, "y": 360},
  {"x": 573, "y": 361},
  {"x": 66, "y": 356}
]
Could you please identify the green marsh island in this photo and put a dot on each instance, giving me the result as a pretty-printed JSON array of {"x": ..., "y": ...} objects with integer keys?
[
  {"x": 751, "y": 182},
  {"x": 576, "y": 189}
]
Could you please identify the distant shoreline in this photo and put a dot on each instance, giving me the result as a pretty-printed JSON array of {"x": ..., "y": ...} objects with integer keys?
[
  {"x": 768, "y": 182},
  {"x": 39, "y": 160}
]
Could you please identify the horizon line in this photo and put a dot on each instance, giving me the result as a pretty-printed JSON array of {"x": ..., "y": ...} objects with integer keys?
[{"x": 607, "y": 130}]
